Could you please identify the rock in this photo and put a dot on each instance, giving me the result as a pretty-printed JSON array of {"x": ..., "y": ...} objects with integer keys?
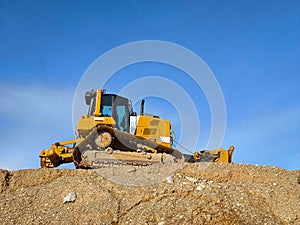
[
  {"x": 200, "y": 187},
  {"x": 71, "y": 197},
  {"x": 170, "y": 180},
  {"x": 191, "y": 179},
  {"x": 132, "y": 170},
  {"x": 210, "y": 182},
  {"x": 209, "y": 217}
]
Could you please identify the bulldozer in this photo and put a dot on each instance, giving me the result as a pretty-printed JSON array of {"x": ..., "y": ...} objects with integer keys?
[{"x": 112, "y": 134}]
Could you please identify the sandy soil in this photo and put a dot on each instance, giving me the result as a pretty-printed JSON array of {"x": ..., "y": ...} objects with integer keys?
[{"x": 203, "y": 193}]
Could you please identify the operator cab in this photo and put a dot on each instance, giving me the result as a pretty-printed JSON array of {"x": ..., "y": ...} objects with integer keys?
[{"x": 112, "y": 105}]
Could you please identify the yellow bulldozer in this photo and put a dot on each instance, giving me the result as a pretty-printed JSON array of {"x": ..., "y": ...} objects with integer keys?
[{"x": 111, "y": 133}]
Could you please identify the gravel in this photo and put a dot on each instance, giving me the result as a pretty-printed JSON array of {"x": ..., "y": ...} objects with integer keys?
[{"x": 204, "y": 193}]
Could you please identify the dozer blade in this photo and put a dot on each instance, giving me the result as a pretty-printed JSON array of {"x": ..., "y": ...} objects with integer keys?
[{"x": 217, "y": 155}]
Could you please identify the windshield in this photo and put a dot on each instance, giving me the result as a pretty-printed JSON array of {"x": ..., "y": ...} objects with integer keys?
[
  {"x": 122, "y": 113},
  {"x": 106, "y": 106},
  {"x": 117, "y": 107}
]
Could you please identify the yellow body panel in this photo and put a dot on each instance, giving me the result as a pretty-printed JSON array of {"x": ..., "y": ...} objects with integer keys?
[
  {"x": 85, "y": 123},
  {"x": 154, "y": 129}
]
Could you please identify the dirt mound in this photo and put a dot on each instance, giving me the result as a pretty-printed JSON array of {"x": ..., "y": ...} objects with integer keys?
[{"x": 204, "y": 193}]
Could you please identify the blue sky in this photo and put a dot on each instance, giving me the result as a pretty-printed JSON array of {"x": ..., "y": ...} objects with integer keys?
[{"x": 253, "y": 48}]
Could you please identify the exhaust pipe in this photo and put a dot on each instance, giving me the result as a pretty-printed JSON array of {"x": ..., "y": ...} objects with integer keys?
[{"x": 142, "y": 107}]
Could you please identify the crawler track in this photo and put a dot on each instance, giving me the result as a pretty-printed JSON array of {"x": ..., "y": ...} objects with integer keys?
[{"x": 106, "y": 146}]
